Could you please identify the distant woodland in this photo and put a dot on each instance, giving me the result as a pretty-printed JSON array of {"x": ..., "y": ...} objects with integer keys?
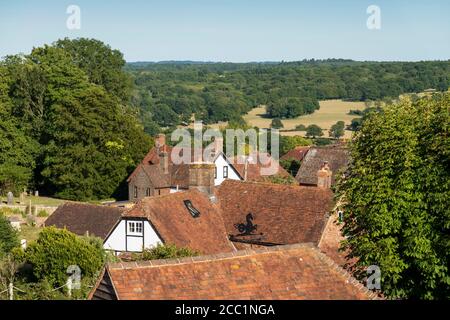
[
  {"x": 168, "y": 93},
  {"x": 75, "y": 119}
]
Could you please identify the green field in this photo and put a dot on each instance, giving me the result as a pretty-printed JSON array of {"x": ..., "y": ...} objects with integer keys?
[
  {"x": 43, "y": 201},
  {"x": 329, "y": 113}
]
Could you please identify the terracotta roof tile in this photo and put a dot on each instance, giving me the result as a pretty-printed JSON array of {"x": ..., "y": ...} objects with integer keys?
[
  {"x": 173, "y": 222},
  {"x": 336, "y": 156},
  {"x": 254, "y": 172},
  {"x": 283, "y": 214},
  {"x": 297, "y": 153},
  {"x": 81, "y": 218},
  {"x": 289, "y": 272}
]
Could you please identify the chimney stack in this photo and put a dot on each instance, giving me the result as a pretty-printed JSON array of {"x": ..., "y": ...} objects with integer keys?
[
  {"x": 201, "y": 177},
  {"x": 324, "y": 176},
  {"x": 160, "y": 141},
  {"x": 164, "y": 161}
]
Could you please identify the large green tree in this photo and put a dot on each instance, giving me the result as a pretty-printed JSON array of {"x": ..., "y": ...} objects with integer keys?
[{"x": 396, "y": 194}]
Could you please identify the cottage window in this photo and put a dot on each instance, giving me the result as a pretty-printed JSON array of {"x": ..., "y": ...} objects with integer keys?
[
  {"x": 135, "y": 227},
  {"x": 215, "y": 172},
  {"x": 148, "y": 192},
  {"x": 135, "y": 192},
  {"x": 225, "y": 171}
]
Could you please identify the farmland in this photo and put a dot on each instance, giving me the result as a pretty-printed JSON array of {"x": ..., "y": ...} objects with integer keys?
[{"x": 329, "y": 113}]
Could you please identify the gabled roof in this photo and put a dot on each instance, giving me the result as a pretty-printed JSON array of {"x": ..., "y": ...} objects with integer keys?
[
  {"x": 284, "y": 214},
  {"x": 297, "y": 153},
  {"x": 177, "y": 175},
  {"x": 174, "y": 224},
  {"x": 254, "y": 167},
  {"x": 284, "y": 272},
  {"x": 337, "y": 157},
  {"x": 82, "y": 218}
]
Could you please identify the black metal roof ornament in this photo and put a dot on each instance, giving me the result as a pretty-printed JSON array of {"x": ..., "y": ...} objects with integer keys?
[{"x": 247, "y": 228}]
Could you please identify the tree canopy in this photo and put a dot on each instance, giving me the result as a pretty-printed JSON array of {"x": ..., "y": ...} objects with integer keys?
[
  {"x": 396, "y": 198},
  {"x": 67, "y": 129}
]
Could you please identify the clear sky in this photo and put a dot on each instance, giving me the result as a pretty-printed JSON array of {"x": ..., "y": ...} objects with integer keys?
[{"x": 236, "y": 30}]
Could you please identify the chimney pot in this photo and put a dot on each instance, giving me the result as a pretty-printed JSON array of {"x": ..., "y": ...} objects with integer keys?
[{"x": 324, "y": 176}]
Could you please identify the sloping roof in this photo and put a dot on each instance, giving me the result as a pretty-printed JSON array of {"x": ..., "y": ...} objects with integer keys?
[
  {"x": 178, "y": 174},
  {"x": 284, "y": 214},
  {"x": 173, "y": 222},
  {"x": 284, "y": 272},
  {"x": 254, "y": 168},
  {"x": 297, "y": 153},
  {"x": 81, "y": 218},
  {"x": 337, "y": 157}
]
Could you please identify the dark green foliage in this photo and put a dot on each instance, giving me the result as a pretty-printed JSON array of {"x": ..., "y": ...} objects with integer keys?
[
  {"x": 56, "y": 249},
  {"x": 168, "y": 251},
  {"x": 291, "y": 166},
  {"x": 300, "y": 127},
  {"x": 276, "y": 124},
  {"x": 322, "y": 141},
  {"x": 337, "y": 130},
  {"x": 313, "y": 131},
  {"x": 67, "y": 129},
  {"x": 221, "y": 91},
  {"x": 396, "y": 196},
  {"x": 9, "y": 237},
  {"x": 288, "y": 143},
  {"x": 292, "y": 107}
]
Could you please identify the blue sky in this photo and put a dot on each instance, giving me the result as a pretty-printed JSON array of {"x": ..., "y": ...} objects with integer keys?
[{"x": 236, "y": 30}]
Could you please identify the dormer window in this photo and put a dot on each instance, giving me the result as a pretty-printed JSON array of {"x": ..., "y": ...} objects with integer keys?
[
  {"x": 225, "y": 171},
  {"x": 135, "y": 191},
  {"x": 192, "y": 210}
]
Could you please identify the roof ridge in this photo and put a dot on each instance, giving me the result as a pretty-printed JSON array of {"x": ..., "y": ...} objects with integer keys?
[{"x": 211, "y": 257}]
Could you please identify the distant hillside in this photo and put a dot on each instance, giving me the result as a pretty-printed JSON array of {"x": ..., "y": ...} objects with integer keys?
[{"x": 167, "y": 93}]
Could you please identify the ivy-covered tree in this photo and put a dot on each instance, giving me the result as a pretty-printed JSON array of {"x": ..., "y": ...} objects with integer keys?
[{"x": 396, "y": 198}]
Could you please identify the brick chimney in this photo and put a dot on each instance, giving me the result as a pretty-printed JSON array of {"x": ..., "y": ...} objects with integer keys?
[
  {"x": 164, "y": 161},
  {"x": 201, "y": 177},
  {"x": 160, "y": 141},
  {"x": 324, "y": 176}
]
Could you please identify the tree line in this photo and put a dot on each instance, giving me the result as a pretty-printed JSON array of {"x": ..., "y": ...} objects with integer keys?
[
  {"x": 68, "y": 128},
  {"x": 167, "y": 94}
]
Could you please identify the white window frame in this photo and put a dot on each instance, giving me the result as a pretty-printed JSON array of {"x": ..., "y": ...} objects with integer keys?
[
  {"x": 225, "y": 171},
  {"x": 135, "y": 227}
]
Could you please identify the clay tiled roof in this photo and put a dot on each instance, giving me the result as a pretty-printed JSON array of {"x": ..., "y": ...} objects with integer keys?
[
  {"x": 174, "y": 224},
  {"x": 254, "y": 168},
  {"x": 284, "y": 272},
  {"x": 297, "y": 154},
  {"x": 283, "y": 214},
  {"x": 336, "y": 156},
  {"x": 82, "y": 218}
]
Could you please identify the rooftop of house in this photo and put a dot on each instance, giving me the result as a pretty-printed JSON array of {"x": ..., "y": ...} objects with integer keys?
[
  {"x": 283, "y": 214},
  {"x": 175, "y": 224},
  {"x": 82, "y": 218},
  {"x": 298, "y": 153},
  {"x": 298, "y": 271},
  {"x": 255, "y": 167},
  {"x": 337, "y": 157}
]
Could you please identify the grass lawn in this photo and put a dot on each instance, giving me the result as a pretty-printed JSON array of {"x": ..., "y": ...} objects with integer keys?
[
  {"x": 44, "y": 201},
  {"x": 29, "y": 233},
  {"x": 330, "y": 112}
]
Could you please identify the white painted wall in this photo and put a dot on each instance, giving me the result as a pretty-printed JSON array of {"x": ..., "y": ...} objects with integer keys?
[
  {"x": 117, "y": 240},
  {"x": 221, "y": 162}
]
